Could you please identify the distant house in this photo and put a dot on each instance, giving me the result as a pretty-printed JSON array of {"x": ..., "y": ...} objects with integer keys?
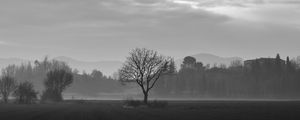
[{"x": 262, "y": 61}]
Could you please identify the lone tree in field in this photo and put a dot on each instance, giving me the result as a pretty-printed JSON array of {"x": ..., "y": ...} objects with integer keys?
[
  {"x": 7, "y": 86},
  {"x": 56, "y": 82},
  {"x": 144, "y": 67}
]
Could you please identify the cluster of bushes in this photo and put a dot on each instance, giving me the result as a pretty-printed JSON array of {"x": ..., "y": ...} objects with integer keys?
[
  {"x": 23, "y": 92},
  {"x": 131, "y": 103}
]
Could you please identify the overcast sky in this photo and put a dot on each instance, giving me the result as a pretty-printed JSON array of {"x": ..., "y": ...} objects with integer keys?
[{"x": 94, "y": 30}]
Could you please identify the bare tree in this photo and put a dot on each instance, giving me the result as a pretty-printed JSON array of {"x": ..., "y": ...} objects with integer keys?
[
  {"x": 7, "y": 86},
  {"x": 144, "y": 67},
  {"x": 56, "y": 82}
]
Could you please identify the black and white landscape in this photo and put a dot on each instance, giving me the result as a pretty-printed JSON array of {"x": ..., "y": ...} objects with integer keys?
[{"x": 149, "y": 59}]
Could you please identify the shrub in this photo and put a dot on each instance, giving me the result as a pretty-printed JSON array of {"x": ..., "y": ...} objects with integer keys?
[
  {"x": 133, "y": 103},
  {"x": 158, "y": 104},
  {"x": 25, "y": 94}
]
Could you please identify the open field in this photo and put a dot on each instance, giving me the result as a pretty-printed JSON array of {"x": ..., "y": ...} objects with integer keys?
[{"x": 179, "y": 110}]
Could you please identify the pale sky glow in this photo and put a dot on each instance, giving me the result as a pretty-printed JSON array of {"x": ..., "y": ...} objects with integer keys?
[
  {"x": 192, "y": 4},
  {"x": 255, "y": 10},
  {"x": 96, "y": 30},
  {"x": 234, "y": 12},
  {"x": 7, "y": 43},
  {"x": 2, "y": 43}
]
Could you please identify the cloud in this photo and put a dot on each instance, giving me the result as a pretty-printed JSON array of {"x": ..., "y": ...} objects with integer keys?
[
  {"x": 173, "y": 26},
  {"x": 5, "y": 43},
  {"x": 281, "y": 12}
]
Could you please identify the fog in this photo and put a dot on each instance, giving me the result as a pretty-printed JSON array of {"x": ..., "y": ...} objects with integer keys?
[{"x": 254, "y": 79}]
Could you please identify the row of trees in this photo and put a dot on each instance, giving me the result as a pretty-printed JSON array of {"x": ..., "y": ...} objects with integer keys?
[
  {"x": 36, "y": 74},
  {"x": 18, "y": 81},
  {"x": 259, "y": 78},
  {"x": 55, "y": 83},
  {"x": 143, "y": 66}
]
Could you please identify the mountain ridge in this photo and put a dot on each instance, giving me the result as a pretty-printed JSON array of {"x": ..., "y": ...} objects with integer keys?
[{"x": 211, "y": 59}]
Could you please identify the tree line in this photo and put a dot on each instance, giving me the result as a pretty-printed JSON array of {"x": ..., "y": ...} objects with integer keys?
[
  {"x": 155, "y": 74},
  {"x": 47, "y": 79},
  {"x": 55, "y": 83},
  {"x": 258, "y": 78}
]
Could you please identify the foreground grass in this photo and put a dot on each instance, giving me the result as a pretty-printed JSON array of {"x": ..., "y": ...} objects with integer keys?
[{"x": 179, "y": 110}]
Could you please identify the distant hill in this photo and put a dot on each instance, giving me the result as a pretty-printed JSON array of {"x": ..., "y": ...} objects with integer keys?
[
  {"x": 210, "y": 59},
  {"x": 109, "y": 67},
  {"x": 106, "y": 67}
]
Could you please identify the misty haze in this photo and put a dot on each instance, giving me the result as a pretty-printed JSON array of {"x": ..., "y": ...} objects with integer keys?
[{"x": 149, "y": 59}]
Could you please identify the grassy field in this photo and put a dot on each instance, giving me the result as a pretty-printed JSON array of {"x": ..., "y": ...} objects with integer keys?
[{"x": 179, "y": 110}]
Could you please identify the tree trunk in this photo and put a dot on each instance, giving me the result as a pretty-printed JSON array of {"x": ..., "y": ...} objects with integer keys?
[{"x": 146, "y": 98}]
